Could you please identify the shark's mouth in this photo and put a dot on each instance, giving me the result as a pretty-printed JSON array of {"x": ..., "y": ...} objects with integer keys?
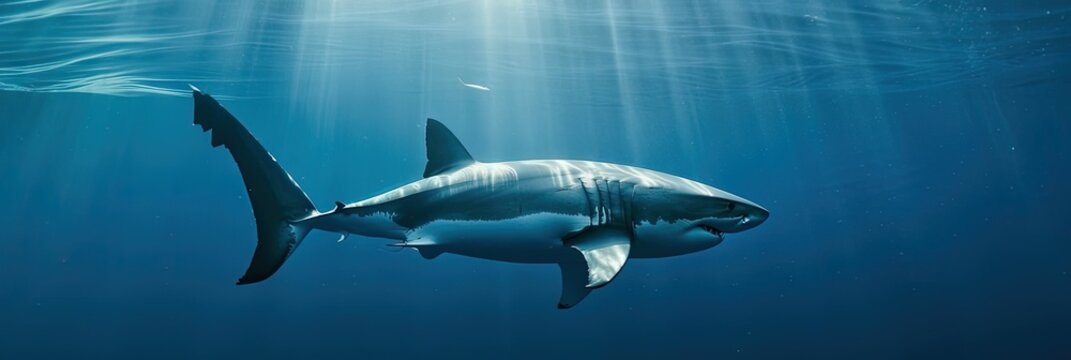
[{"x": 710, "y": 229}]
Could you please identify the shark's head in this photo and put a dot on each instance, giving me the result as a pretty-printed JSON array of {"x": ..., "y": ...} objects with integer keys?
[{"x": 684, "y": 216}]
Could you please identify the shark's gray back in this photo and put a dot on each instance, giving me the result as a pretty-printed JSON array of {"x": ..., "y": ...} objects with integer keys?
[{"x": 500, "y": 191}]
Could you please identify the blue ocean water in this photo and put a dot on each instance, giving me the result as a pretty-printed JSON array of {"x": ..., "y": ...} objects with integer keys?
[{"x": 914, "y": 156}]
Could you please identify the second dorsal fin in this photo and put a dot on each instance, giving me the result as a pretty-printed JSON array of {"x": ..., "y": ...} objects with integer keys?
[{"x": 445, "y": 152}]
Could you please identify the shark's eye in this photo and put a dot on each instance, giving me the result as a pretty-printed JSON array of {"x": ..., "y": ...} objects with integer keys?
[{"x": 732, "y": 206}]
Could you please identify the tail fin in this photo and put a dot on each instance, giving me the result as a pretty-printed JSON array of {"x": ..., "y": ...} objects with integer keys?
[{"x": 277, "y": 200}]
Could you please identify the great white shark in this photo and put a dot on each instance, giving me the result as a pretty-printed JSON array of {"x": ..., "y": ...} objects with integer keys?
[{"x": 589, "y": 218}]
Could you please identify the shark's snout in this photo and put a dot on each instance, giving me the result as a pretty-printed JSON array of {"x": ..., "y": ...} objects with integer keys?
[
  {"x": 753, "y": 216},
  {"x": 742, "y": 215}
]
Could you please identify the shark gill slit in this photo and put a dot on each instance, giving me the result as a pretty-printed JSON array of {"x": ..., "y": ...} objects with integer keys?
[
  {"x": 587, "y": 199},
  {"x": 604, "y": 217}
]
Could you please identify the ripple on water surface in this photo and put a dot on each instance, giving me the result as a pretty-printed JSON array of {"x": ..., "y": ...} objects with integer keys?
[{"x": 156, "y": 47}]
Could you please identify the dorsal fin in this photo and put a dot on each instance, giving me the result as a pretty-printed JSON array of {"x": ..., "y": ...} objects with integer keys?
[{"x": 445, "y": 152}]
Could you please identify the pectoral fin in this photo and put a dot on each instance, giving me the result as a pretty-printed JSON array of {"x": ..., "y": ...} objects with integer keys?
[
  {"x": 574, "y": 281},
  {"x": 600, "y": 255}
]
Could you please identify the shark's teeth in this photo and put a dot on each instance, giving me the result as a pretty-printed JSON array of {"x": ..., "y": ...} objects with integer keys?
[{"x": 710, "y": 229}]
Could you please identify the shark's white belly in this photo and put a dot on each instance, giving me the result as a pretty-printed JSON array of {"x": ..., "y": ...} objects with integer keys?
[{"x": 535, "y": 238}]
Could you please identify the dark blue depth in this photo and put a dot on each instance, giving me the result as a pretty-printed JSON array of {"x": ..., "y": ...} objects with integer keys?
[{"x": 914, "y": 156}]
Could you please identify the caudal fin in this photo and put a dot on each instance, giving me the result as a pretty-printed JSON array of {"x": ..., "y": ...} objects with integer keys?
[{"x": 277, "y": 200}]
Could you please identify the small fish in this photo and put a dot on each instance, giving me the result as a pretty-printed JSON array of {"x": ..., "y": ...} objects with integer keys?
[{"x": 474, "y": 86}]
